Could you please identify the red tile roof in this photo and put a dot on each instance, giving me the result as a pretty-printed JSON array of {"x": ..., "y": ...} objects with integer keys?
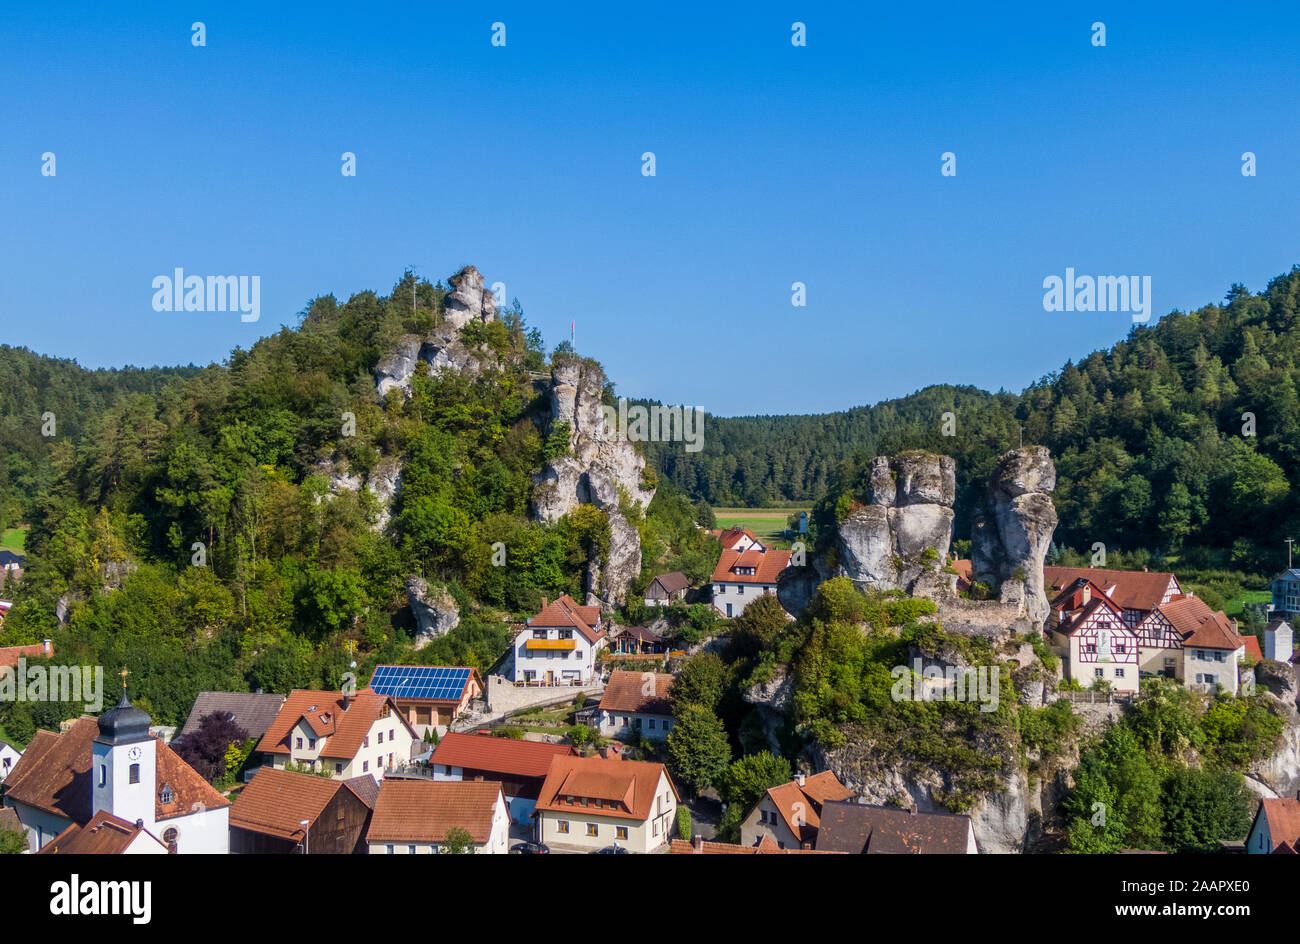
[
  {"x": 1252, "y": 648},
  {"x": 644, "y": 692},
  {"x": 1200, "y": 626},
  {"x": 325, "y": 715},
  {"x": 800, "y": 806},
  {"x": 1283, "y": 818},
  {"x": 1133, "y": 589},
  {"x": 876, "y": 830},
  {"x": 10, "y": 655},
  {"x": 54, "y": 775},
  {"x": 423, "y": 811},
  {"x": 105, "y": 834},
  {"x": 767, "y": 566},
  {"x": 565, "y": 613},
  {"x": 275, "y": 802},
  {"x": 504, "y": 756},
  {"x": 766, "y": 846},
  {"x": 626, "y": 788},
  {"x": 730, "y": 536}
]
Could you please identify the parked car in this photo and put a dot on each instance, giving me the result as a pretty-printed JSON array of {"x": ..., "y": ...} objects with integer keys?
[
  {"x": 529, "y": 848},
  {"x": 612, "y": 850}
]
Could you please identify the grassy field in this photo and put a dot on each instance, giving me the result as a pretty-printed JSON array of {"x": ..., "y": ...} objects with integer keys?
[
  {"x": 13, "y": 539},
  {"x": 1233, "y": 608},
  {"x": 766, "y": 523}
]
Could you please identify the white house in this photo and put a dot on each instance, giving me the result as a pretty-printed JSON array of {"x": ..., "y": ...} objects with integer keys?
[
  {"x": 346, "y": 735},
  {"x": 636, "y": 703},
  {"x": 589, "y": 803},
  {"x": 1100, "y": 645},
  {"x": 113, "y": 765},
  {"x": 414, "y": 817},
  {"x": 519, "y": 766},
  {"x": 560, "y": 645},
  {"x": 790, "y": 813},
  {"x": 743, "y": 576},
  {"x": 9, "y": 757},
  {"x": 1278, "y": 641}
]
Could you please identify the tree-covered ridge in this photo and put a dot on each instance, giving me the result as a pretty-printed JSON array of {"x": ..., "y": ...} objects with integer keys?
[
  {"x": 1151, "y": 438},
  {"x": 224, "y": 529}
]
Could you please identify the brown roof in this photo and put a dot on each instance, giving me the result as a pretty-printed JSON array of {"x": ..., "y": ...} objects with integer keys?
[
  {"x": 875, "y": 830},
  {"x": 645, "y": 692},
  {"x": 730, "y": 536},
  {"x": 1073, "y": 611},
  {"x": 1200, "y": 626},
  {"x": 1252, "y": 648},
  {"x": 672, "y": 582},
  {"x": 1133, "y": 589},
  {"x": 509, "y": 758},
  {"x": 567, "y": 614},
  {"x": 625, "y": 788},
  {"x": 766, "y": 846},
  {"x": 252, "y": 711},
  {"x": 275, "y": 802},
  {"x": 800, "y": 806},
  {"x": 1283, "y": 818},
  {"x": 419, "y": 811},
  {"x": 366, "y": 787},
  {"x": 768, "y": 566},
  {"x": 54, "y": 775},
  {"x": 105, "y": 834},
  {"x": 10, "y": 655},
  {"x": 324, "y": 713}
]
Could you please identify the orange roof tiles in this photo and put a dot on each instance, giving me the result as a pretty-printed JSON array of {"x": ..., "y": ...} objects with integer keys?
[
  {"x": 1133, "y": 589},
  {"x": 644, "y": 692},
  {"x": 632, "y": 785},
  {"x": 275, "y": 802},
  {"x": 799, "y": 805},
  {"x": 104, "y": 834},
  {"x": 423, "y": 811},
  {"x": 1200, "y": 626},
  {"x": 565, "y": 613},
  {"x": 10, "y": 655},
  {"x": 54, "y": 775},
  {"x": 766, "y": 846},
  {"x": 504, "y": 756},
  {"x": 767, "y": 566},
  {"x": 1283, "y": 818},
  {"x": 325, "y": 714}
]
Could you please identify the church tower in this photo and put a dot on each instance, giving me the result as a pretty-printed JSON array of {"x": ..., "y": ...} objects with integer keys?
[{"x": 124, "y": 765}]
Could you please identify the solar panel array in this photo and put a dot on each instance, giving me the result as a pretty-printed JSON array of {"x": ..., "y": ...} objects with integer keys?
[{"x": 419, "y": 681}]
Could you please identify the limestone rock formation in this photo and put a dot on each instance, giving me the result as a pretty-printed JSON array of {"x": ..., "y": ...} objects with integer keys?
[
  {"x": 598, "y": 466},
  {"x": 436, "y": 613},
  {"x": 468, "y": 301},
  {"x": 1012, "y": 533}
]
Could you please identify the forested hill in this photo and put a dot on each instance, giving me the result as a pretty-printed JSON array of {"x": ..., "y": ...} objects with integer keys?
[
  {"x": 32, "y": 386},
  {"x": 1149, "y": 437}
]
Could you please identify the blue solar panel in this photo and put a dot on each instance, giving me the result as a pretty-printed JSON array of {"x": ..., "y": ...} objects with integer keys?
[{"x": 420, "y": 681}]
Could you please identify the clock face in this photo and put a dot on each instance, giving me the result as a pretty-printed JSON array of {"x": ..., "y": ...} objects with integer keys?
[{"x": 135, "y": 753}]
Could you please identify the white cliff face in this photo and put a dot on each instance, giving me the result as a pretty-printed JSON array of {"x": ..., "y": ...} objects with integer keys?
[
  {"x": 468, "y": 300},
  {"x": 598, "y": 466},
  {"x": 436, "y": 613},
  {"x": 1010, "y": 540}
]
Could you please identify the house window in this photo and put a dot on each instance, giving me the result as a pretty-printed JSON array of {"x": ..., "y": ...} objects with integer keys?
[
  {"x": 365, "y": 741},
  {"x": 562, "y": 826},
  {"x": 1099, "y": 673},
  {"x": 381, "y": 737},
  {"x": 299, "y": 744},
  {"x": 410, "y": 850},
  {"x": 365, "y": 766},
  {"x": 620, "y": 832},
  {"x": 390, "y": 733},
  {"x": 651, "y": 723},
  {"x": 311, "y": 743},
  {"x": 169, "y": 838},
  {"x": 1119, "y": 673},
  {"x": 166, "y": 794},
  {"x": 592, "y": 829},
  {"x": 338, "y": 768},
  {"x": 1218, "y": 657},
  {"x": 390, "y": 850},
  {"x": 135, "y": 773}
]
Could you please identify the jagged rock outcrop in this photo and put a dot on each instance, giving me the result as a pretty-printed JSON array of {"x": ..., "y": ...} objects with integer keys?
[
  {"x": 771, "y": 700},
  {"x": 1012, "y": 533},
  {"x": 1280, "y": 770},
  {"x": 1278, "y": 678},
  {"x": 442, "y": 348},
  {"x": 599, "y": 468},
  {"x": 884, "y": 544},
  {"x": 434, "y": 609},
  {"x": 384, "y": 482}
]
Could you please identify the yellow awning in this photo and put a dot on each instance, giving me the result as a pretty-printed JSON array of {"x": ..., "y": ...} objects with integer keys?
[{"x": 549, "y": 644}]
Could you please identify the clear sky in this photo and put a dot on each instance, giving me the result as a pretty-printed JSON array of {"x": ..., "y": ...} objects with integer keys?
[{"x": 774, "y": 164}]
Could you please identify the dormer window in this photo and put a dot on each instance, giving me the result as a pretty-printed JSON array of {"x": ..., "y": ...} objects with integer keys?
[{"x": 167, "y": 795}]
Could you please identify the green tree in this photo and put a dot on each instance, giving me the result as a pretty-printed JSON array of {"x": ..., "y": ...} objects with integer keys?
[
  {"x": 698, "y": 750},
  {"x": 457, "y": 841}
]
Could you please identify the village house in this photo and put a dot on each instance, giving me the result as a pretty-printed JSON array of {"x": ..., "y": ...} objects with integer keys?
[
  {"x": 519, "y": 766},
  {"x": 345, "y": 735},
  {"x": 589, "y": 803},
  {"x": 1088, "y": 628},
  {"x": 105, "y": 834},
  {"x": 430, "y": 697},
  {"x": 413, "y": 817},
  {"x": 9, "y": 757},
  {"x": 252, "y": 711},
  {"x": 282, "y": 812},
  {"x": 1135, "y": 592},
  {"x": 737, "y": 539},
  {"x": 113, "y": 765},
  {"x": 1276, "y": 829},
  {"x": 1278, "y": 641},
  {"x": 790, "y": 813},
  {"x": 560, "y": 645},
  {"x": 856, "y": 828},
  {"x": 697, "y": 845},
  {"x": 9, "y": 655},
  {"x": 637, "y": 641},
  {"x": 666, "y": 589},
  {"x": 1286, "y": 594},
  {"x": 743, "y": 575},
  {"x": 636, "y": 703}
]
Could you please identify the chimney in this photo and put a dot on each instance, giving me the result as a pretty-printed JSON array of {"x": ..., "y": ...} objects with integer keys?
[
  {"x": 545, "y": 603},
  {"x": 1087, "y": 594},
  {"x": 49, "y": 647},
  {"x": 697, "y": 841},
  {"x": 800, "y": 779}
]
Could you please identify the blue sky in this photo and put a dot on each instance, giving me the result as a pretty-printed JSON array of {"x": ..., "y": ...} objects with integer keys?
[{"x": 775, "y": 164}]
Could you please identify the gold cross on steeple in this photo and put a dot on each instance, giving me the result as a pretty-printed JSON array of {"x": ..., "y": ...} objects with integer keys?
[{"x": 124, "y": 673}]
